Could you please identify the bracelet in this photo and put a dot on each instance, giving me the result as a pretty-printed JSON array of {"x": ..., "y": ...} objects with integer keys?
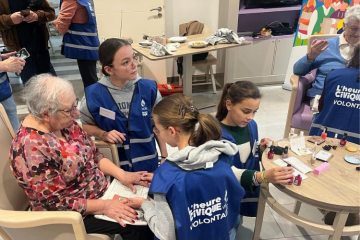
[
  {"x": 102, "y": 136},
  {"x": 163, "y": 157},
  {"x": 263, "y": 177}
]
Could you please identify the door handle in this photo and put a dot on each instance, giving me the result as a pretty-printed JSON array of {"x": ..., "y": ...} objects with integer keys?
[{"x": 154, "y": 9}]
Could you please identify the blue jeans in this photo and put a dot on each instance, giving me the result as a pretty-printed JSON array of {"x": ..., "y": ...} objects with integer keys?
[
  {"x": 234, "y": 230},
  {"x": 10, "y": 108}
]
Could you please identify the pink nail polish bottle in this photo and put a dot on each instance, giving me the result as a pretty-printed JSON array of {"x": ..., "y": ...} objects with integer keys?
[{"x": 297, "y": 181}]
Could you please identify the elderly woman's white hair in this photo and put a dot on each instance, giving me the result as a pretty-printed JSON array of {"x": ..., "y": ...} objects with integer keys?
[
  {"x": 352, "y": 13},
  {"x": 42, "y": 93}
]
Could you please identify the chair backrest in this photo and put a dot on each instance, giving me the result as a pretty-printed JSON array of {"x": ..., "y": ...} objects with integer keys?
[
  {"x": 322, "y": 36},
  {"x": 109, "y": 150},
  {"x": 12, "y": 196}
]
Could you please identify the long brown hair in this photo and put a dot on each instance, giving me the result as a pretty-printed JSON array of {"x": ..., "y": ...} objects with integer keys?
[
  {"x": 355, "y": 60},
  {"x": 236, "y": 92},
  {"x": 179, "y": 111},
  {"x": 107, "y": 51}
]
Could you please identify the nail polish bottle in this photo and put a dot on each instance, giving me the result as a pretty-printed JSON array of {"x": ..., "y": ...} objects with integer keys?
[
  {"x": 297, "y": 181},
  {"x": 313, "y": 155},
  {"x": 343, "y": 140},
  {"x": 285, "y": 154},
  {"x": 271, "y": 153},
  {"x": 290, "y": 179},
  {"x": 324, "y": 134},
  {"x": 335, "y": 143},
  {"x": 291, "y": 133}
]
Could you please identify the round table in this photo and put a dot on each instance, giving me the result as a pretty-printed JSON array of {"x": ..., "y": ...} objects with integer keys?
[{"x": 337, "y": 189}]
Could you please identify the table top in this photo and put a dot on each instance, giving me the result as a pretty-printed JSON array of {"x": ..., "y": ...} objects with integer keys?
[
  {"x": 338, "y": 188},
  {"x": 185, "y": 49}
]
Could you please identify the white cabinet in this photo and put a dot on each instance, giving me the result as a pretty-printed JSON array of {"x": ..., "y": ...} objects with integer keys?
[{"x": 263, "y": 61}]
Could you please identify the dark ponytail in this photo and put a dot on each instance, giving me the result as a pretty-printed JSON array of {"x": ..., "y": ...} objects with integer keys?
[
  {"x": 236, "y": 92},
  {"x": 355, "y": 60}
]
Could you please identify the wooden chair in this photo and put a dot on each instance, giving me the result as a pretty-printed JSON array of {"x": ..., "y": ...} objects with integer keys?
[
  {"x": 208, "y": 62},
  {"x": 16, "y": 222},
  {"x": 299, "y": 112}
]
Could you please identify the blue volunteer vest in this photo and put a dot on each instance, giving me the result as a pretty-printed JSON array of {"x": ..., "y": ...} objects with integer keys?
[
  {"x": 138, "y": 151},
  {"x": 250, "y": 200},
  {"x": 341, "y": 109},
  {"x": 205, "y": 202},
  {"x": 5, "y": 89},
  {"x": 81, "y": 40}
]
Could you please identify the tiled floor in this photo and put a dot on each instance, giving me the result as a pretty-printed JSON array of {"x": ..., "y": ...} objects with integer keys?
[{"x": 270, "y": 118}]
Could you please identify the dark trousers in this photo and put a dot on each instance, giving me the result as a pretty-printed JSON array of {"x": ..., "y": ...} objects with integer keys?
[
  {"x": 87, "y": 70},
  {"x": 130, "y": 232},
  {"x": 37, "y": 63}
]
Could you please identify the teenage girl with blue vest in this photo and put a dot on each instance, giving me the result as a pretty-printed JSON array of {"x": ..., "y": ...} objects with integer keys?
[
  {"x": 237, "y": 107},
  {"x": 118, "y": 108},
  {"x": 196, "y": 192}
]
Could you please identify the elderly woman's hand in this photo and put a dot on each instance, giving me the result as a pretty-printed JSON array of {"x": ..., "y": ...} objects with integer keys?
[
  {"x": 316, "y": 48},
  {"x": 131, "y": 178},
  {"x": 119, "y": 210},
  {"x": 279, "y": 175}
]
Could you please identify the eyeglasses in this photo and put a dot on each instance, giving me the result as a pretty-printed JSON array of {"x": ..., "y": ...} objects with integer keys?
[
  {"x": 353, "y": 29},
  {"x": 157, "y": 131},
  {"x": 72, "y": 109}
]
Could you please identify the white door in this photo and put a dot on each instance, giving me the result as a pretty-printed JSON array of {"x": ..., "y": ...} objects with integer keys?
[{"x": 124, "y": 18}]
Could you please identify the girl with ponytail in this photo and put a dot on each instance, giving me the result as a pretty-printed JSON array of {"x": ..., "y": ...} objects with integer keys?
[
  {"x": 196, "y": 193},
  {"x": 237, "y": 107}
]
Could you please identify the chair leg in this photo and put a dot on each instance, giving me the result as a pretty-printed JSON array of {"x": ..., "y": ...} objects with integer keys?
[
  {"x": 213, "y": 79},
  {"x": 207, "y": 73}
]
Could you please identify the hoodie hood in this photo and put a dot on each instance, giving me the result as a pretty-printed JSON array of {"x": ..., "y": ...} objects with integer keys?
[
  {"x": 105, "y": 80},
  {"x": 191, "y": 158}
]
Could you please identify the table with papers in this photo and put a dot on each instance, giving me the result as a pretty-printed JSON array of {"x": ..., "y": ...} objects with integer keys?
[{"x": 337, "y": 189}]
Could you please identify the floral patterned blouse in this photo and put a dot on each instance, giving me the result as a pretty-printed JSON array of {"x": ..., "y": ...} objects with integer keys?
[{"x": 57, "y": 175}]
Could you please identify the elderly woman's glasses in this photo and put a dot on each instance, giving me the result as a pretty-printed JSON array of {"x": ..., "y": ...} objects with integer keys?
[{"x": 72, "y": 109}]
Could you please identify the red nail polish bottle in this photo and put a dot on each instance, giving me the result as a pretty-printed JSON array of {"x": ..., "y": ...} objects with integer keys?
[
  {"x": 343, "y": 140},
  {"x": 297, "y": 181},
  {"x": 271, "y": 153},
  {"x": 324, "y": 134},
  {"x": 290, "y": 179}
]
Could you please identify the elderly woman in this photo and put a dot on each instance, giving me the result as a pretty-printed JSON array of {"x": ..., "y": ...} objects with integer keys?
[
  {"x": 58, "y": 165},
  {"x": 333, "y": 53}
]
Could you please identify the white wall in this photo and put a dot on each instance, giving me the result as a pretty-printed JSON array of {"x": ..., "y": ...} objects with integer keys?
[{"x": 178, "y": 12}]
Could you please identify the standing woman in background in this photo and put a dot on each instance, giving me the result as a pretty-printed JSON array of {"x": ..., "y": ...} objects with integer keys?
[
  {"x": 237, "y": 107},
  {"x": 77, "y": 22},
  {"x": 23, "y": 25}
]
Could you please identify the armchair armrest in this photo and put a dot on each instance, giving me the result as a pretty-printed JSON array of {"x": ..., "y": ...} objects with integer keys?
[
  {"x": 109, "y": 149},
  {"x": 26, "y": 219},
  {"x": 294, "y": 80}
]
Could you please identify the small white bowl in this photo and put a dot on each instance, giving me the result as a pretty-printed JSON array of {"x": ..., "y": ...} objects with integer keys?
[
  {"x": 177, "y": 39},
  {"x": 198, "y": 44}
]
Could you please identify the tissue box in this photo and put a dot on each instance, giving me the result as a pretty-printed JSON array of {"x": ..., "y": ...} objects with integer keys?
[{"x": 320, "y": 169}]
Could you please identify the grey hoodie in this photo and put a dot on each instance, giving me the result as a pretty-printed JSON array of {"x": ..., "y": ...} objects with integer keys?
[
  {"x": 158, "y": 213},
  {"x": 122, "y": 97}
]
